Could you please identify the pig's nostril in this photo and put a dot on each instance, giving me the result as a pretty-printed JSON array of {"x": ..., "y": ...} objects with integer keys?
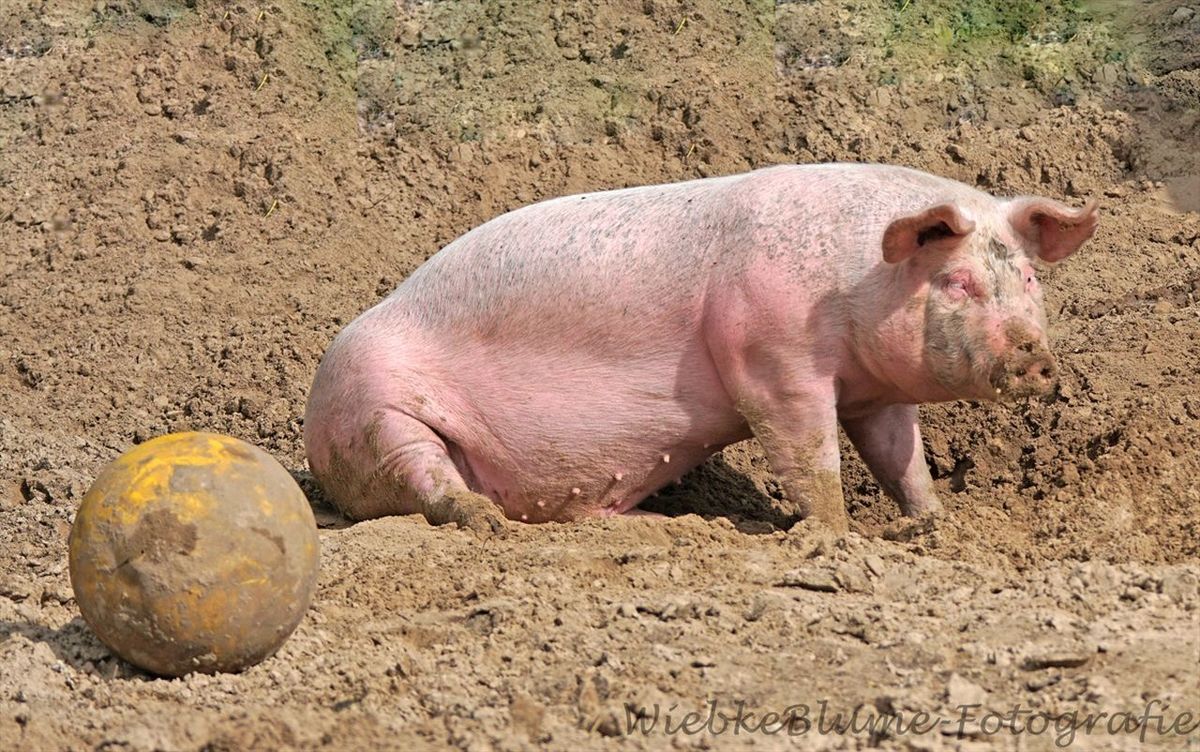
[{"x": 1043, "y": 371}]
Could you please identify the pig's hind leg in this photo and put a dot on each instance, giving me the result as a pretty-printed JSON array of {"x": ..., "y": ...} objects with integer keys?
[
  {"x": 415, "y": 474},
  {"x": 889, "y": 441}
]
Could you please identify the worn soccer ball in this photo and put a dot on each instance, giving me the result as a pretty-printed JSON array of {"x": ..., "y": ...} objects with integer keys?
[{"x": 194, "y": 552}]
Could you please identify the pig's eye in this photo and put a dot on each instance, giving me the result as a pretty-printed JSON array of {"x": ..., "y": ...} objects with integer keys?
[
  {"x": 1030, "y": 281},
  {"x": 960, "y": 286}
]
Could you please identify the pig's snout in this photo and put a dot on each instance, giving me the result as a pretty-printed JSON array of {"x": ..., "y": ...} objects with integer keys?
[
  {"x": 1041, "y": 371},
  {"x": 1029, "y": 376},
  {"x": 1029, "y": 369}
]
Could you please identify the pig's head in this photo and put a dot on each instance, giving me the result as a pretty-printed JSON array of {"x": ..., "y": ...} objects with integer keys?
[{"x": 984, "y": 326}]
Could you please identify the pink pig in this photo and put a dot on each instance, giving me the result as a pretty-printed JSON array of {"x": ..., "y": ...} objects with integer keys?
[{"x": 569, "y": 358}]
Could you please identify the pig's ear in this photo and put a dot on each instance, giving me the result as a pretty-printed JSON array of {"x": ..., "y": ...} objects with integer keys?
[
  {"x": 940, "y": 226},
  {"x": 1050, "y": 230}
]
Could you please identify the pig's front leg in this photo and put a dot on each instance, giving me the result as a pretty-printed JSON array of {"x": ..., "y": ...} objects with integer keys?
[
  {"x": 889, "y": 441},
  {"x": 799, "y": 435}
]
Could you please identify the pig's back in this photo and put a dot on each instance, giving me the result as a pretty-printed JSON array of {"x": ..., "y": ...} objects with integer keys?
[
  {"x": 579, "y": 265},
  {"x": 646, "y": 252}
]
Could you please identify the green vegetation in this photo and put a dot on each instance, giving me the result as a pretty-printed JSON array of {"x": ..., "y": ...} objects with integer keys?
[
  {"x": 1042, "y": 41},
  {"x": 963, "y": 26}
]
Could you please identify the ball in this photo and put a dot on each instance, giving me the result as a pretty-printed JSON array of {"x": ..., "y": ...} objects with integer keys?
[{"x": 194, "y": 552}]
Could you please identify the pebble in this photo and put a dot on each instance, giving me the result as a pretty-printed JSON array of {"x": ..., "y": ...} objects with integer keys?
[
  {"x": 1040, "y": 683},
  {"x": 409, "y": 34},
  {"x": 875, "y": 564},
  {"x": 818, "y": 580},
  {"x": 756, "y": 610},
  {"x": 1057, "y": 658},
  {"x": 851, "y": 578},
  {"x": 1180, "y": 586},
  {"x": 960, "y": 692},
  {"x": 1110, "y": 73},
  {"x": 609, "y": 726}
]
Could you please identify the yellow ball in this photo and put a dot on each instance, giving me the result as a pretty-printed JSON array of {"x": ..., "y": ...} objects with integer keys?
[{"x": 194, "y": 552}]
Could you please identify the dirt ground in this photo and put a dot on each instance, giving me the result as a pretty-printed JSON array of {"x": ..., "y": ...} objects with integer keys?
[{"x": 196, "y": 196}]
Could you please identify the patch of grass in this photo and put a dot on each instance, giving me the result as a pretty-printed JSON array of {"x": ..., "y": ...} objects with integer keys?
[
  {"x": 355, "y": 30},
  {"x": 1043, "y": 42},
  {"x": 160, "y": 13},
  {"x": 961, "y": 27}
]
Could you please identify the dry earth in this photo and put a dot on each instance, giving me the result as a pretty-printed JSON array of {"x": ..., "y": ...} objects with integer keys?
[{"x": 196, "y": 196}]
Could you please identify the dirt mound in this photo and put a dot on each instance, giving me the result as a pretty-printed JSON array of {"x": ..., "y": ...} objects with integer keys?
[{"x": 195, "y": 197}]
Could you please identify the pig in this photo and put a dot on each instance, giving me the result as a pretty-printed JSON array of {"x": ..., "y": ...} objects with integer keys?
[{"x": 569, "y": 358}]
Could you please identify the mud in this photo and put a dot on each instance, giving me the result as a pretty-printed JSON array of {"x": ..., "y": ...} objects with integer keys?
[{"x": 195, "y": 197}]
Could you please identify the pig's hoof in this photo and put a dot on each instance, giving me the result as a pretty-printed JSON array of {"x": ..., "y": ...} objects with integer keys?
[
  {"x": 922, "y": 507},
  {"x": 834, "y": 524},
  {"x": 833, "y": 517},
  {"x": 485, "y": 524},
  {"x": 910, "y": 528},
  {"x": 930, "y": 516},
  {"x": 470, "y": 511}
]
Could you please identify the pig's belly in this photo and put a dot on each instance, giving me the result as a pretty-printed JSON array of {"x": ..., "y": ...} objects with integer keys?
[
  {"x": 590, "y": 439},
  {"x": 617, "y": 480}
]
